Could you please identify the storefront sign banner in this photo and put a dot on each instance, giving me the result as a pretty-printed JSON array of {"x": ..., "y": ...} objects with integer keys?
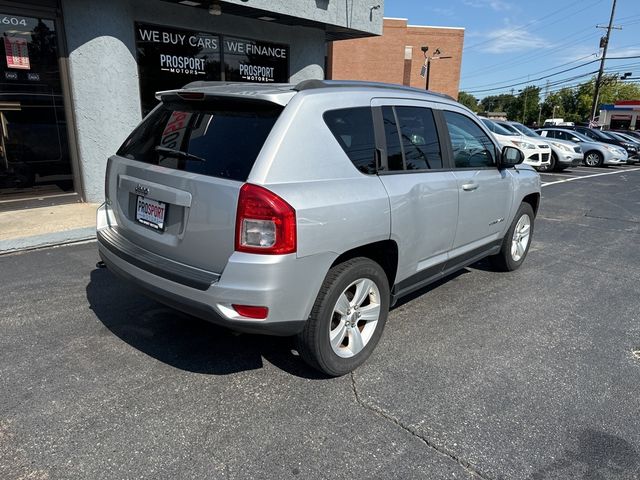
[
  {"x": 17, "y": 53},
  {"x": 255, "y": 61},
  {"x": 249, "y": 47},
  {"x": 179, "y": 38}
]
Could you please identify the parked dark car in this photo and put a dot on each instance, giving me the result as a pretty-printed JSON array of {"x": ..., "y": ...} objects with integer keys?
[{"x": 631, "y": 133}]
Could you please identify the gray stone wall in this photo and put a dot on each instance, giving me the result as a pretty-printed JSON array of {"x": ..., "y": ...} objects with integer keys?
[{"x": 104, "y": 83}]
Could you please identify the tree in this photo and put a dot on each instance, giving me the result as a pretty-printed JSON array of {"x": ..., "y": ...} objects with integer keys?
[
  {"x": 468, "y": 101},
  {"x": 496, "y": 103},
  {"x": 574, "y": 104}
]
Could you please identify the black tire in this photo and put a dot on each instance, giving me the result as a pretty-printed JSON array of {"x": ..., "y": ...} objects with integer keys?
[
  {"x": 553, "y": 161},
  {"x": 504, "y": 261},
  {"x": 313, "y": 342},
  {"x": 593, "y": 158}
]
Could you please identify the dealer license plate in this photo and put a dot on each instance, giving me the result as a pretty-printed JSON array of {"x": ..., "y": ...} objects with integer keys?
[{"x": 151, "y": 212}]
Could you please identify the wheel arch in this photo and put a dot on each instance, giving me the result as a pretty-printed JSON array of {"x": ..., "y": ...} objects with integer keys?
[
  {"x": 384, "y": 253},
  {"x": 533, "y": 199}
]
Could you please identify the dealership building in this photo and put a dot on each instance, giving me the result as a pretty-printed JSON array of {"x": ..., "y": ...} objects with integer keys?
[{"x": 78, "y": 75}]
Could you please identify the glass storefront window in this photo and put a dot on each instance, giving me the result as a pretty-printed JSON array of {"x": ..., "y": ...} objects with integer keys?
[
  {"x": 169, "y": 58},
  {"x": 34, "y": 152},
  {"x": 253, "y": 61}
]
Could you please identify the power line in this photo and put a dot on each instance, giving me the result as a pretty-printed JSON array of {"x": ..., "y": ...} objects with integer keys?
[
  {"x": 526, "y": 58},
  {"x": 534, "y": 73},
  {"x": 564, "y": 83},
  {"x": 532, "y": 80},
  {"x": 507, "y": 87}
]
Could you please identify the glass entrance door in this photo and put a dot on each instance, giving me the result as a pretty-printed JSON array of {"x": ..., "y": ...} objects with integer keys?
[{"x": 34, "y": 150}]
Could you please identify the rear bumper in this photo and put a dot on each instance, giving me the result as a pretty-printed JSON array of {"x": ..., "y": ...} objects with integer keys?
[{"x": 287, "y": 285}]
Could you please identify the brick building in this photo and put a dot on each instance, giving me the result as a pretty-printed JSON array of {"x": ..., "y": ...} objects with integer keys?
[{"x": 396, "y": 56}]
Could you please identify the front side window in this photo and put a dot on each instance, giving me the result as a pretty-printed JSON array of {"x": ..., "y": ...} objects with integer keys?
[{"x": 471, "y": 147}]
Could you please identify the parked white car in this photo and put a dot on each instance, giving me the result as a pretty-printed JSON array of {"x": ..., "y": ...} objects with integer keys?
[
  {"x": 563, "y": 153},
  {"x": 536, "y": 154}
]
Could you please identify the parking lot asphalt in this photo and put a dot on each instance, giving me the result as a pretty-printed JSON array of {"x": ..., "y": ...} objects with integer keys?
[{"x": 524, "y": 375}]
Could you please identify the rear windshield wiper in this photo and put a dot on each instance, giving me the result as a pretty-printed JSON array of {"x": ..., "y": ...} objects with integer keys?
[{"x": 170, "y": 152}]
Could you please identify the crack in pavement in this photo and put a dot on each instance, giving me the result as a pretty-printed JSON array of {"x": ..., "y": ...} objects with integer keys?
[{"x": 468, "y": 466}]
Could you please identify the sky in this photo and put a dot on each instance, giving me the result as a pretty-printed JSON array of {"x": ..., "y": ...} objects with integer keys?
[{"x": 510, "y": 44}]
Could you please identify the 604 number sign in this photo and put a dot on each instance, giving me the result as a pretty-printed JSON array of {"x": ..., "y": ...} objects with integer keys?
[{"x": 13, "y": 21}]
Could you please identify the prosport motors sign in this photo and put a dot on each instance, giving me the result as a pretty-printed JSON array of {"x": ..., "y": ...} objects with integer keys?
[
  {"x": 177, "y": 51},
  {"x": 169, "y": 58},
  {"x": 253, "y": 61}
]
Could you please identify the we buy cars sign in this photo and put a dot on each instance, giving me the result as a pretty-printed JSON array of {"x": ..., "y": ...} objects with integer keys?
[{"x": 17, "y": 53}]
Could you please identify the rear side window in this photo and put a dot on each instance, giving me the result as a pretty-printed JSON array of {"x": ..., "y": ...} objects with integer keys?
[
  {"x": 353, "y": 129},
  {"x": 412, "y": 138},
  {"x": 215, "y": 139}
]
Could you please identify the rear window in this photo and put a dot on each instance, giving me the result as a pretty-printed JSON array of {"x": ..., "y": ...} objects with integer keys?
[{"x": 211, "y": 138}]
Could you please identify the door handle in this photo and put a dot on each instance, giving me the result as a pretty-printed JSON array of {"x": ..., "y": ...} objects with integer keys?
[{"x": 468, "y": 187}]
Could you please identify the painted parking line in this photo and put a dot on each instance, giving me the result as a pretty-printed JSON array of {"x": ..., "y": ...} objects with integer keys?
[
  {"x": 546, "y": 184},
  {"x": 553, "y": 175}
]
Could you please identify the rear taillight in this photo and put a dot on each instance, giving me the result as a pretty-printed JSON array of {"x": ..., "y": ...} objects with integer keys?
[{"x": 265, "y": 223}]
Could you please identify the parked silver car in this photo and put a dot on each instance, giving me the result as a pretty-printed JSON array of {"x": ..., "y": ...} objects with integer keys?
[
  {"x": 308, "y": 210},
  {"x": 596, "y": 154},
  {"x": 564, "y": 154}
]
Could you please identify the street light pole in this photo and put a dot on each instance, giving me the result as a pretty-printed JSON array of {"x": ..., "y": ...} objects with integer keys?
[
  {"x": 426, "y": 87},
  {"x": 427, "y": 63}
]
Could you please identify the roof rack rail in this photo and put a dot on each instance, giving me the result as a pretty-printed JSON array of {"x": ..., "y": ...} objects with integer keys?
[{"x": 314, "y": 83}]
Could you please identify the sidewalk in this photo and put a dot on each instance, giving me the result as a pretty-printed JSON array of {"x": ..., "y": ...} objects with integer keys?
[{"x": 46, "y": 226}]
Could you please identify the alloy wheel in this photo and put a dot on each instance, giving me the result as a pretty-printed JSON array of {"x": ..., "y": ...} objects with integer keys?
[
  {"x": 592, "y": 159},
  {"x": 520, "y": 239},
  {"x": 354, "y": 318}
]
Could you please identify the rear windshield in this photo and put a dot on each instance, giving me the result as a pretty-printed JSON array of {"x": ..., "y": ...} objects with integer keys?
[{"x": 210, "y": 138}]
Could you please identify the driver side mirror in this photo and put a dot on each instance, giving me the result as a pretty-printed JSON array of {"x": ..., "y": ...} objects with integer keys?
[
  {"x": 575, "y": 139},
  {"x": 510, "y": 157}
]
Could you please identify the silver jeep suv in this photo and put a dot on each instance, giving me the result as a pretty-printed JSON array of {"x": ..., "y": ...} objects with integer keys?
[{"x": 309, "y": 209}]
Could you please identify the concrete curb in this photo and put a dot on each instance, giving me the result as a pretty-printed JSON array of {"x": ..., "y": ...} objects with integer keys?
[{"x": 47, "y": 240}]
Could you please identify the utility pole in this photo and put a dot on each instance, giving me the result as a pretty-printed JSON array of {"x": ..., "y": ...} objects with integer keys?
[{"x": 605, "y": 40}]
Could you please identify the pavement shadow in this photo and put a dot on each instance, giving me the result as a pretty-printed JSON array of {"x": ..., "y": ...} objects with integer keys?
[
  {"x": 597, "y": 455},
  {"x": 183, "y": 341}
]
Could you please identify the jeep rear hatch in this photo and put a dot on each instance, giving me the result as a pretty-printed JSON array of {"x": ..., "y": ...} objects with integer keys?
[{"x": 174, "y": 183}]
